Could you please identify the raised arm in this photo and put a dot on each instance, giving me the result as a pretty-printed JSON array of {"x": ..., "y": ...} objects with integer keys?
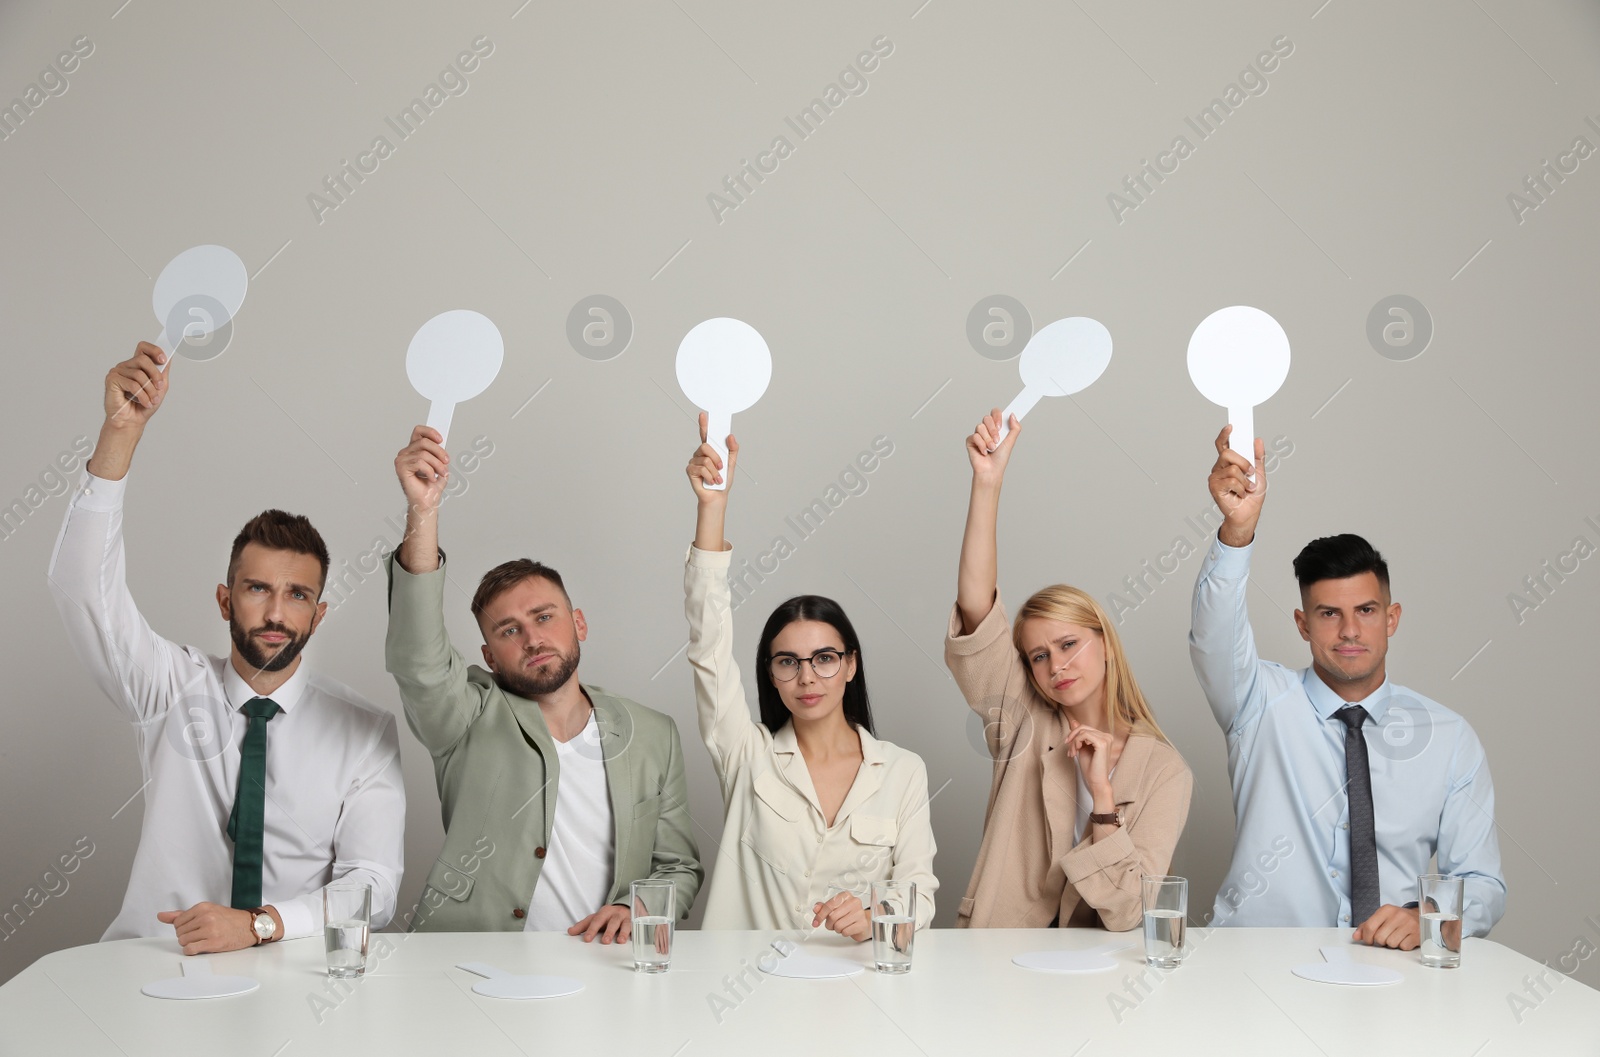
[
  {"x": 976, "y": 577},
  {"x": 730, "y": 734},
  {"x": 1221, "y": 643},
  {"x": 440, "y": 703},
  {"x": 139, "y": 670}
]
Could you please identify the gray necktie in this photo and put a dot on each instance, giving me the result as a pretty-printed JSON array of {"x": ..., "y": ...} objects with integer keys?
[{"x": 1363, "y": 841}]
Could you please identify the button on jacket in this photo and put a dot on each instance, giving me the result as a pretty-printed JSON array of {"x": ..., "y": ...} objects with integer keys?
[{"x": 778, "y": 856}]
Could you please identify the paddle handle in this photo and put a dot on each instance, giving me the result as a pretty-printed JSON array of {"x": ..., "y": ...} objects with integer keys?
[
  {"x": 439, "y": 415},
  {"x": 1020, "y": 406},
  {"x": 718, "y": 425},
  {"x": 1243, "y": 437}
]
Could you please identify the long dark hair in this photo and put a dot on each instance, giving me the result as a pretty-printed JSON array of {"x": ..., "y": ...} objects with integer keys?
[{"x": 774, "y": 714}]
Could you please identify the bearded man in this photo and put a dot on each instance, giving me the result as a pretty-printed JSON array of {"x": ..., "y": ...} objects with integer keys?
[
  {"x": 556, "y": 795},
  {"x": 263, "y": 781}
]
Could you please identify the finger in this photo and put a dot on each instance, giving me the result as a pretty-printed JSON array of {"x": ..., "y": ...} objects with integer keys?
[
  {"x": 1233, "y": 458},
  {"x": 1222, "y": 438},
  {"x": 150, "y": 355},
  {"x": 595, "y": 925},
  {"x": 167, "y": 916},
  {"x": 704, "y": 420},
  {"x": 580, "y": 926},
  {"x": 1261, "y": 465},
  {"x": 709, "y": 452},
  {"x": 431, "y": 447},
  {"x": 133, "y": 382},
  {"x": 1011, "y": 437},
  {"x": 624, "y": 927}
]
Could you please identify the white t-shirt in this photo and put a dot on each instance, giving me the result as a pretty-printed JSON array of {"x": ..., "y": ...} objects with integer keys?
[{"x": 582, "y": 853}]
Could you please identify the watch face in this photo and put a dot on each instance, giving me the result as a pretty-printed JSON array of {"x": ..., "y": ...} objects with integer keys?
[{"x": 265, "y": 926}]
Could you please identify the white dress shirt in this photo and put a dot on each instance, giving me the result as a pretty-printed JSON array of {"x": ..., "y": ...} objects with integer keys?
[
  {"x": 579, "y": 860},
  {"x": 335, "y": 806},
  {"x": 778, "y": 854}
]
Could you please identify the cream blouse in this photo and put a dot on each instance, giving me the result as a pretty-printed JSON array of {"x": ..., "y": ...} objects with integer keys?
[{"x": 777, "y": 856}]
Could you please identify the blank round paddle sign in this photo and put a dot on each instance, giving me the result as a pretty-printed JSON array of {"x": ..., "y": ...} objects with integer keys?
[
  {"x": 1238, "y": 357},
  {"x": 197, "y": 294},
  {"x": 724, "y": 366},
  {"x": 452, "y": 358},
  {"x": 1062, "y": 358}
]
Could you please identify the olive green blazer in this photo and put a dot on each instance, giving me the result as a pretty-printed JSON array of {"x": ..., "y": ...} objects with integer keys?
[{"x": 498, "y": 776}]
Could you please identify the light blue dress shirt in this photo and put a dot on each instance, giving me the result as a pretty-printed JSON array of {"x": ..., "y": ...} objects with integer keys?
[{"x": 1431, "y": 791}]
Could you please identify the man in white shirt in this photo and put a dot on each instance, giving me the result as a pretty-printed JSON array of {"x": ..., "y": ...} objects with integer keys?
[{"x": 263, "y": 781}]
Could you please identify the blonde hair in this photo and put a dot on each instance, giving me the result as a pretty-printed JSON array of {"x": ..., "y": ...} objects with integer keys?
[{"x": 1125, "y": 701}]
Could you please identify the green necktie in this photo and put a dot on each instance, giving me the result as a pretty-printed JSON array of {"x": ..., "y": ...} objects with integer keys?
[{"x": 249, "y": 805}]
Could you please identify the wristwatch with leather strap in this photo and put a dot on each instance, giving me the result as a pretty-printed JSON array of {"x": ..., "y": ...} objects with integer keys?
[{"x": 265, "y": 928}]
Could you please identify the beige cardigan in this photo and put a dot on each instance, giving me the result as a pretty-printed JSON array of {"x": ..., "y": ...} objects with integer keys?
[{"x": 1028, "y": 871}]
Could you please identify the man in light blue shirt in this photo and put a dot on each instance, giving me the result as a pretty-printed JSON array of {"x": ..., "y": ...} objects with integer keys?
[{"x": 1306, "y": 816}]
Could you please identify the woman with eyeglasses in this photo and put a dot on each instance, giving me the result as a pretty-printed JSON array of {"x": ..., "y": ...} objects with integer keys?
[
  {"x": 812, "y": 800},
  {"x": 1087, "y": 793}
]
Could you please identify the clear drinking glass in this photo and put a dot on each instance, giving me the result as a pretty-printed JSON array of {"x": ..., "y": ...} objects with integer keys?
[
  {"x": 1439, "y": 902},
  {"x": 1166, "y": 911},
  {"x": 347, "y": 925},
  {"x": 655, "y": 911},
  {"x": 894, "y": 925}
]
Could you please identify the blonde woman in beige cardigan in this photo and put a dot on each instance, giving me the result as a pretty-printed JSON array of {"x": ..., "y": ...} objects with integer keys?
[{"x": 1087, "y": 793}]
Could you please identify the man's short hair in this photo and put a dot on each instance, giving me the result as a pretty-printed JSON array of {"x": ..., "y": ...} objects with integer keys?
[
  {"x": 506, "y": 575},
  {"x": 279, "y": 531},
  {"x": 1338, "y": 558}
]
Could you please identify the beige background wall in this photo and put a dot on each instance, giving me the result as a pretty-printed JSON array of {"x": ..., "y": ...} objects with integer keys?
[{"x": 974, "y": 159}]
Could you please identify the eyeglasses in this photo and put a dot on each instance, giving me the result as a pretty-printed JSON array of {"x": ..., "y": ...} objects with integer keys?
[{"x": 785, "y": 667}]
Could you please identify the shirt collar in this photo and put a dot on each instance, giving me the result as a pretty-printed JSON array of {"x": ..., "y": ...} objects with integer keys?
[
  {"x": 871, "y": 748},
  {"x": 285, "y": 696},
  {"x": 1326, "y": 702}
]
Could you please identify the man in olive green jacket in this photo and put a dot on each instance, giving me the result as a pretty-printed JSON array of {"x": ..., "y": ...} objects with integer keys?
[{"x": 507, "y": 739}]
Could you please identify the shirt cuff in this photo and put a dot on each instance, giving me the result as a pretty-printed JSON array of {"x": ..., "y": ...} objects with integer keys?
[
  {"x": 99, "y": 494},
  {"x": 712, "y": 561},
  {"x": 1230, "y": 563},
  {"x": 298, "y": 920}
]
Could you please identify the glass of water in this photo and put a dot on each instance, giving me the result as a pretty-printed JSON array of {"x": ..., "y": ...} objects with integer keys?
[
  {"x": 1166, "y": 910},
  {"x": 655, "y": 910},
  {"x": 1439, "y": 901},
  {"x": 894, "y": 925},
  {"x": 346, "y": 926}
]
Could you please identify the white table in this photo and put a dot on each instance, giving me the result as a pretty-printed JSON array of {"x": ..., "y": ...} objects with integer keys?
[{"x": 1234, "y": 995}]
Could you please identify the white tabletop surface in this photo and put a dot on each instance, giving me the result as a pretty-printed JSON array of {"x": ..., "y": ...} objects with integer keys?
[{"x": 1234, "y": 994}]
